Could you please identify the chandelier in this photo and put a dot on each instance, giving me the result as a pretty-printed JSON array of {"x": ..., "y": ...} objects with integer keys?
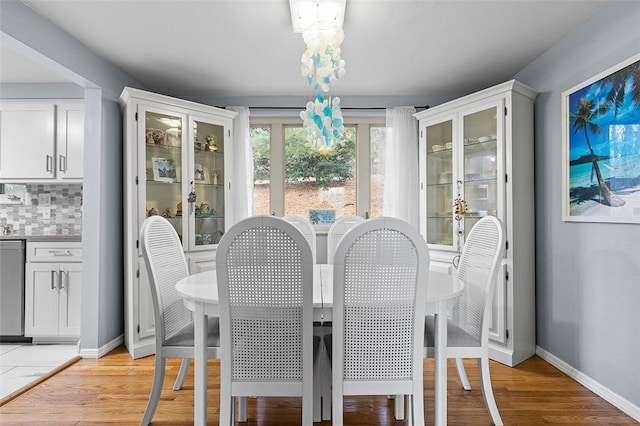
[{"x": 320, "y": 22}]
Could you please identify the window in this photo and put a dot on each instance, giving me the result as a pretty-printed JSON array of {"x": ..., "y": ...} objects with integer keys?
[{"x": 294, "y": 177}]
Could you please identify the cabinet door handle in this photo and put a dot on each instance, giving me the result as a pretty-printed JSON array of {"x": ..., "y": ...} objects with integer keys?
[
  {"x": 62, "y": 163},
  {"x": 62, "y": 273},
  {"x": 53, "y": 279},
  {"x": 61, "y": 252},
  {"x": 49, "y": 163}
]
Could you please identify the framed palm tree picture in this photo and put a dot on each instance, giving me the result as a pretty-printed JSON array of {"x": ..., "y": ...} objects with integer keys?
[{"x": 601, "y": 146}]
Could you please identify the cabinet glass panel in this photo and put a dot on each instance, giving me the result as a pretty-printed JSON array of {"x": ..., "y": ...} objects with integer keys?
[
  {"x": 480, "y": 165},
  {"x": 163, "y": 163},
  {"x": 208, "y": 182},
  {"x": 439, "y": 138}
]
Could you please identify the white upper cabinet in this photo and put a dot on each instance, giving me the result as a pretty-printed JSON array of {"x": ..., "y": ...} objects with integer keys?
[
  {"x": 70, "y": 140},
  {"x": 41, "y": 140}
]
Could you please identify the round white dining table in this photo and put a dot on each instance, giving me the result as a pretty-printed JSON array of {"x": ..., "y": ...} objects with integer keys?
[{"x": 200, "y": 294}]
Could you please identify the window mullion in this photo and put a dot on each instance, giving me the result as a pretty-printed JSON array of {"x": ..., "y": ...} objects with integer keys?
[
  {"x": 277, "y": 169},
  {"x": 363, "y": 170}
]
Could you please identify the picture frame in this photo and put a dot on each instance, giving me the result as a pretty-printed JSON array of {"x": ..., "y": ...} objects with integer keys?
[
  {"x": 164, "y": 170},
  {"x": 601, "y": 146},
  {"x": 322, "y": 217},
  {"x": 200, "y": 174}
]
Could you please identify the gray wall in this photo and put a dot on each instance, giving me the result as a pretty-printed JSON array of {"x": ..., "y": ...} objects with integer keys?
[
  {"x": 102, "y": 293},
  {"x": 587, "y": 274}
]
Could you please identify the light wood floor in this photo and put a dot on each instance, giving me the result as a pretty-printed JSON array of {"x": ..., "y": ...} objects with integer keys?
[{"x": 114, "y": 390}]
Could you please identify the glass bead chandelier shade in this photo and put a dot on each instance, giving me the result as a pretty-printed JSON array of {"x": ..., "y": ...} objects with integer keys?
[
  {"x": 320, "y": 22},
  {"x": 323, "y": 121},
  {"x": 321, "y": 62}
]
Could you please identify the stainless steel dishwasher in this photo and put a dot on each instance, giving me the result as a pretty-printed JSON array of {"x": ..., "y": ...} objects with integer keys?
[{"x": 12, "y": 257}]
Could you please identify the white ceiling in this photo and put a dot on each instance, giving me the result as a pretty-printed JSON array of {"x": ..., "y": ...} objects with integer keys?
[{"x": 247, "y": 47}]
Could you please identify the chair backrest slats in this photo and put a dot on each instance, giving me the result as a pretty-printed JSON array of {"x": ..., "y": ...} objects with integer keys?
[
  {"x": 337, "y": 230},
  {"x": 380, "y": 271},
  {"x": 478, "y": 267},
  {"x": 166, "y": 265},
  {"x": 265, "y": 279},
  {"x": 304, "y": 226}
]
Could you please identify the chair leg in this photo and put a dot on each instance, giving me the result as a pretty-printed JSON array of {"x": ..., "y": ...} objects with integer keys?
[
  {"x": 336, "y": 406},
  {"x": 227, "y": 405},
  {"x": 417, "y": 406},
  {"x": 156, "y": 389},
  {"x": 398, "y": 407},
  {"x": 184, "y": 368},
  {"x": 462, "y": 374},
  {"x": 487, "y": 391},
  {"x": 243, "y": 403}
]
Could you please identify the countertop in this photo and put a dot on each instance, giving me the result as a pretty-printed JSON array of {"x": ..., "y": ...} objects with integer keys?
[{"x": 36, "y": 238}]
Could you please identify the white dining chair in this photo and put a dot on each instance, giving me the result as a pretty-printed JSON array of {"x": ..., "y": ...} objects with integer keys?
[
  {"x": 264, "y": 267},
  {"x": 307, "y": 230},
  {"x": 381, "y": 268},
  {"x": 166, "y": 265},
  {"x": 337, "y": 231},
  {"x": 468, "y": 324}
]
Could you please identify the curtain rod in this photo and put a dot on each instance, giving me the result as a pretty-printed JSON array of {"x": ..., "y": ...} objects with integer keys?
[{"x": 342, "y": 108}]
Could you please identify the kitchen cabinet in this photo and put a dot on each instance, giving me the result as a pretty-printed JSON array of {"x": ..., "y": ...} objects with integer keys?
[
  {"x": 53, "y": 131},
  {"x": 70, "y": 141},
  {"x": 476, "y": 159},
  {"x": 53, "y": 288},
  {"x": 177, "y": 164}
]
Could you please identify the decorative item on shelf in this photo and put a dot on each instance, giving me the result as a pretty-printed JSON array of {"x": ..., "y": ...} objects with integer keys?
[
  {"x": 192, "y": 195},
  {"x": 205, "y": 208},
  {"x": 198, "y": 172},
  {"x": 156, "y": 136},
  {"x": 460, "y": 208},
  {"x": 166, "y": 212},
  {"x": 149, "y": 137},
  {"x": 152, "y": 212},
  {"x": 211, "y": 144},
  {"x": 179, "y": 209},
  {"x": 214, "y": 176},
  {"x": 164, "y": 170}
]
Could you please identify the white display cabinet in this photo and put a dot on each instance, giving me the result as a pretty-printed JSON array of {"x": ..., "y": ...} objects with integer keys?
[
  {"x": 177, "y": 161},
  {"x": 476, "y": 159}
]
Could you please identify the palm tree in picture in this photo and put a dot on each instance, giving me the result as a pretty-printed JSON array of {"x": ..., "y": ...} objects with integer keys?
[
  {"x": 624, "y": 82},
  {"x": 582, "y": 119}
]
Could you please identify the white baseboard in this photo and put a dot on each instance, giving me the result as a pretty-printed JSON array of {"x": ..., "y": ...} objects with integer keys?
[
  {"x": 103, "y": 350},
  {"x": 605, "y": 393}
]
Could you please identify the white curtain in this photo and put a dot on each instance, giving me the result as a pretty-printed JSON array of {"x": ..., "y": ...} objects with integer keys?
[
  {"x": 242, "y": 165},
  {"x": 401, "y": 176}
]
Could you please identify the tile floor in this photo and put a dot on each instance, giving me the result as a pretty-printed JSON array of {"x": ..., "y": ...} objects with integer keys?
[{"x": 20, "y": 364}]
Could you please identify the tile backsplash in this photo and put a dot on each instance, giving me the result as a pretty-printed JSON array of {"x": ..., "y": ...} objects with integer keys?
[{"x": 28, "y": 219}]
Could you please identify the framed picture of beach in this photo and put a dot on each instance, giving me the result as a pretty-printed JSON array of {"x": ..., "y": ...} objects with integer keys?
[{"x": 601, "y": 146}]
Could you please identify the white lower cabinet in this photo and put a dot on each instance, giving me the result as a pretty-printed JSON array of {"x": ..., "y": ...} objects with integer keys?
[{"x": 53, "y": 290}]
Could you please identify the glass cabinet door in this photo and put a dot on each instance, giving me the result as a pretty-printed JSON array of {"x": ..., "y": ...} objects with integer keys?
[
  {"x": 162, "y": 186},
  {"x": 439, "y": 183},
  {"x": 208, "y": 184},
  {"x": 480, "y": 165}
]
